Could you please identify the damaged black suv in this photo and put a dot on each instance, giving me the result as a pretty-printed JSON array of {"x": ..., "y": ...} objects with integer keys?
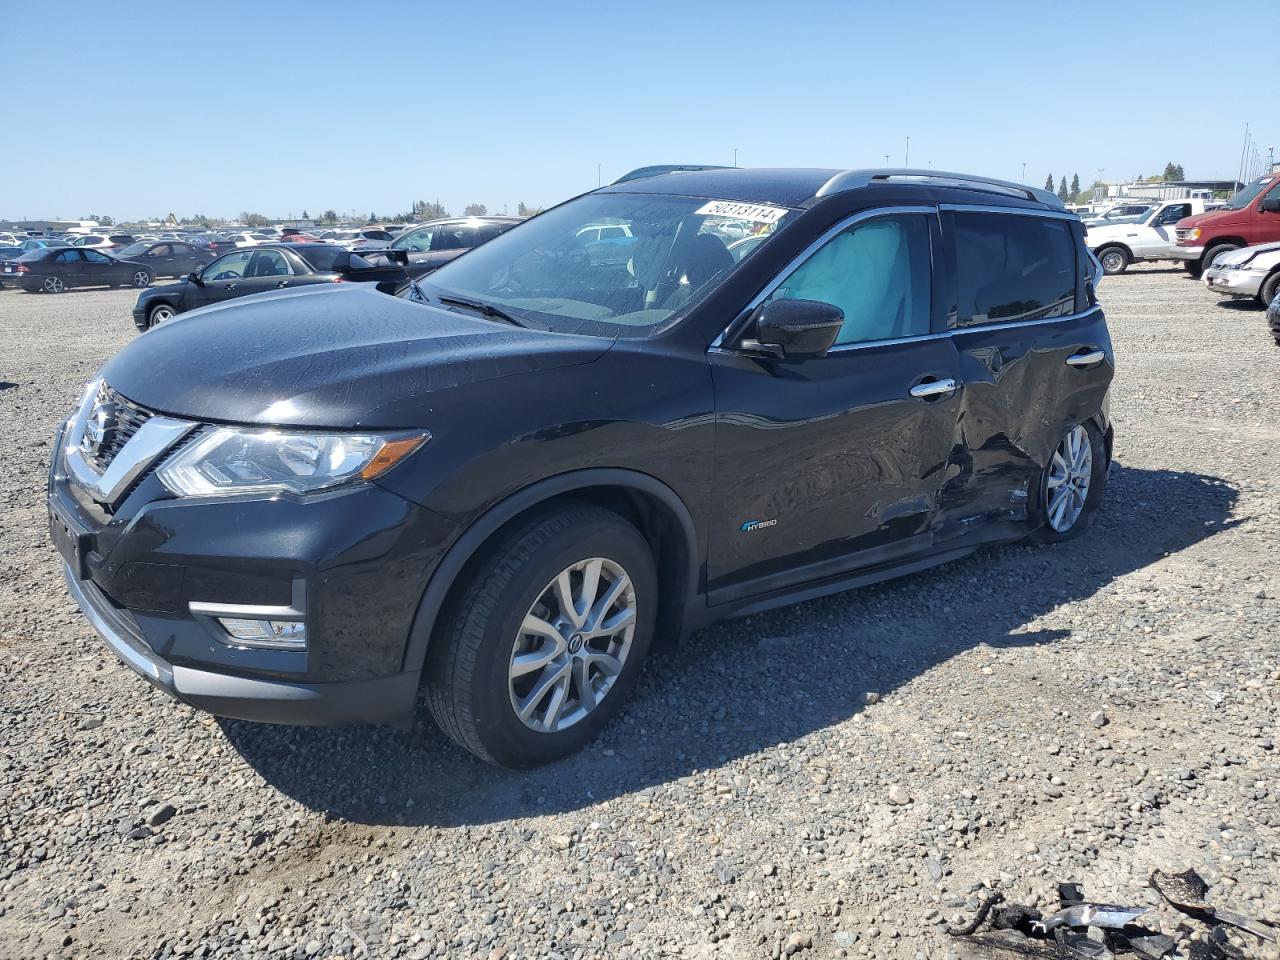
[{"x": 692, "y": 394}]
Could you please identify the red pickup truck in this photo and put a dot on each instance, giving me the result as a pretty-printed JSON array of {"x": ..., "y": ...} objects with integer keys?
[{"x": 1251, "y": 216}]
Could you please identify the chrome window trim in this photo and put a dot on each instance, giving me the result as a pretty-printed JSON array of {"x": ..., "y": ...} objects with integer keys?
[
  {"x": 796, "y": 262},
  {"x": 1017, "y": 211}
]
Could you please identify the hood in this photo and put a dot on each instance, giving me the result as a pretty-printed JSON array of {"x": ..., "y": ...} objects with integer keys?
[
  {"x": 325, "y": 357},
  {"x": 1215, "y": 216},
  {"x": 1247, "y": 254}
]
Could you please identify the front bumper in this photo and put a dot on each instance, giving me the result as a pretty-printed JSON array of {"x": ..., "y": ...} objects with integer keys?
[
  {"x": 1179, "y": 252},
  {"x": 1234, "y": 283},
  {"x": 154, "y": 576},
  {"x": 387, "y": 699}
]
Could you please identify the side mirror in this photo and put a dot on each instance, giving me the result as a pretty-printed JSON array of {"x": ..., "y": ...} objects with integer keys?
[
  {"x": 1271, "y": 205},
  {"x": 798, "y": 328},
  {"x": 194, "y": 277}
]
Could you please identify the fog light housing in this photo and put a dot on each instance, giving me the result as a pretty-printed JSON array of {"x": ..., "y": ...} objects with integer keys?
[{"x": 266, "y": 634}]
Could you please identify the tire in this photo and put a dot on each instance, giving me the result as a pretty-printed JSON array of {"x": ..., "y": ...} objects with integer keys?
[
  {"x": 53, "y": 285},
  {"x": 1212, "y": 254},
  {"x": 472, "y": 688},
  {"x": 1270, "y": 287},
  {"x": 141, "y": 279},
  {"x": 159, "y": 313},
  {"x": 1114, "y": 260},
  {"x": 1091, "y": 477}
]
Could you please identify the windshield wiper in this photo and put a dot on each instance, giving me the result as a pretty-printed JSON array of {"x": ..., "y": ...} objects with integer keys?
[{"x": 488, "y": 309}]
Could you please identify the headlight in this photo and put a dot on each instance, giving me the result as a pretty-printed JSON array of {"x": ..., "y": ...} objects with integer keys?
[
  {"x": 1193, "y": 233},
  {"x": 231, "y": 460}
]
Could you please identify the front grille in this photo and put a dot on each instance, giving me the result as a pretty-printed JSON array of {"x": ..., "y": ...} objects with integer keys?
[
  {"x": 1181, "y": 234},
  {"x": 122, "y": 419}
]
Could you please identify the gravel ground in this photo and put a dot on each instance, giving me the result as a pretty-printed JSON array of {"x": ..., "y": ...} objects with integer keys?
[{"x": 832, "y": 779}]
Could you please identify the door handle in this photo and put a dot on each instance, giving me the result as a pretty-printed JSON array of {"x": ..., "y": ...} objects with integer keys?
[
  {"x": 1086, "y": 359},
  {"x": 934, "y": 389},
  {"x": 282, "y": 283},
  {"x": 232, "y": 286}
]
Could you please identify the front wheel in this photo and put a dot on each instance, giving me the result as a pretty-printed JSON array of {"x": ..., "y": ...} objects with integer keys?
[
  {"x": 1214, "y": 252},
  {"x": 1270, "y": 287},
  {"x": 545, "y": 637},
  {"x": 159, "y": 314},
  {"x": 1072, "y": 485},
  {"x": 1114, "y": 260},
  {"x": 141, "y": 279}
]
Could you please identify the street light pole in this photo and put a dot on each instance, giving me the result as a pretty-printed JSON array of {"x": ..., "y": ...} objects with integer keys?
[
  {"x": 906, "y": 158},
  {"x": 1024, "y": 172},
  {"x": 735, "y": 156}
]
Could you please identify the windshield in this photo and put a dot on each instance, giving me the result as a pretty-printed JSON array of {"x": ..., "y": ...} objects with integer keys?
[
  {"x": 609, "y": 264},
  {"x": 1247, "y": 195}
]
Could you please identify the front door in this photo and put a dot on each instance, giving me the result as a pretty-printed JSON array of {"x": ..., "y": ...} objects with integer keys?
[
  {"x": 221, "y": 279},
  {"x": 98, "y": 269},
  {"x": 834, "y": 463},
  {"x": 1159, "y": 241},
  {"x": 69, "y": 265},
  {"x": 268, "y": 270}
]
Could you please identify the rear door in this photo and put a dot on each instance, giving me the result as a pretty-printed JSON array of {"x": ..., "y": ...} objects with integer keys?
[
  {"x": 268, "y": 270},
  {"x": 1034, "y": 353},
  {"x": 69, "y": 265},
  {"x": 831, "y": 464},
  {"x": 159, "y": 259}
]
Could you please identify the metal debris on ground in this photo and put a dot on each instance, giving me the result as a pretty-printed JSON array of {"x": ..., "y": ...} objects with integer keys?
[{"x": 1081, "y": 930}]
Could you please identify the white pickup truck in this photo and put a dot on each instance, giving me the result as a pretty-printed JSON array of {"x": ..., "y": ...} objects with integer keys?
[{"x": 1150, "y": 238}]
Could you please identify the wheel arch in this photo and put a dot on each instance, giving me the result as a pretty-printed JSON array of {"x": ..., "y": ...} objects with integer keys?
[
  {"x": 654, "y": 508},
  {"x": 1108, "y": 244}
]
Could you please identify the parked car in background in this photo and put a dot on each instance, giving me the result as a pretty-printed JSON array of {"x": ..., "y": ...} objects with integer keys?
[
  {"x": 1252, "y": 216},
  {"x": 55, "y": 269},
  {"x": 168, "y": 258},
  {"x": 260, "y": 269},
  {"x": 1273, "y": 318},
  {"x": 1151, "y": 237},
  {"x": 8, "y": 240},
  {"x": 1251, "y": 272},
  {"x": 41, "y": 243},
  {"x": 501, "y": 488},
  {"x": 1120, "y": 213},
  {"x": 365, "y": 238},
  {"x": 115, "y": 241},
  {"x": 10, "y": 252},
  {"x": 246, "y": 239},
  {"x": 434, "y": 244}
]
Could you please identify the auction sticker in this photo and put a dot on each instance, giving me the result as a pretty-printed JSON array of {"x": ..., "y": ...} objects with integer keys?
[{"x": 732, "y": 210}]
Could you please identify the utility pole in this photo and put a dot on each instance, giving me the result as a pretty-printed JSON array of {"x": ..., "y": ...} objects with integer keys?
[
  {"x": 1024, "y": 172},
  {"x": 906, "y": 158},
  {"x": 599, "y": 182},
  {"x": 735, "y": 157},
  {"x": 886, "y": 159},
  {"x": 1243, "y": 150}
]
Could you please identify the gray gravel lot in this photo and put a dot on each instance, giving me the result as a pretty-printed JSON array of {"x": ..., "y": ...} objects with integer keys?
[{"x": 830, "y": 779}]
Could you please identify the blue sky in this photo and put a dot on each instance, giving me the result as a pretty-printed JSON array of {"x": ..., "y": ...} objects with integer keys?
[{"x": 145, "y": 108}]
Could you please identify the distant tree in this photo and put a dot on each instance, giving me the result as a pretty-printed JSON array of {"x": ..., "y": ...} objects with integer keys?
[
  {"x": 373, "y": 217},
  {"x": 305, "y": 215},
  {"x": 1075, "y": 185},
  {"x": 1062, "y": 190},
  {"x": 475, "y": 210},
  {"x": 330, "y": 216},
  {"x": 422, "y": 210},
  {"x": 1173, "y": 171},
  {"x": 106, "y": 221},
  {"x": 1048, "y": 183},
  {"x": 254, "y": 220},
  {"x": 526, "y": 211}
]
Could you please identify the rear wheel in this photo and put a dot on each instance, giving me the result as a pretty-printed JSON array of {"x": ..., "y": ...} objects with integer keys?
[
  {"x": 1072, "y": 485},
  {"x": 141, "y": 279},
  {"x": 545, "y": 637},
  {"x": 1114, "y": 260},
  {"x": 53, "y": 285},
  {"x": 159, "y": 314}
]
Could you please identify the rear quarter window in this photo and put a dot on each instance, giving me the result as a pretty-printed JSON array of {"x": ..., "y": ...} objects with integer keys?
[{"x": 1012, "y": 267}]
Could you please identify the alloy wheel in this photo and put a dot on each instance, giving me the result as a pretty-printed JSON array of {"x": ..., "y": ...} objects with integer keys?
[
  {"x": 54, "y": 285},
  {"x": 572, "y": 645},
  {"x": 1070, "y": 472},
  {"x": 141, "y": 279}
]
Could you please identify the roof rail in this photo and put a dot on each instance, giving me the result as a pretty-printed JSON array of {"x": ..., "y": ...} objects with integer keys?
[
  {"x": 642, "y": 173},
  {"x": 852, "y": 179}
]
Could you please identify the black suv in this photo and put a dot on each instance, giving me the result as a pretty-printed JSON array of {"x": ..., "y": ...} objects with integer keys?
[{"x": 511, "y": 481}]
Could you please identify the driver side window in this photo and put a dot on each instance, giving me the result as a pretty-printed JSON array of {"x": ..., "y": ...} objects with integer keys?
[
  {"x": 230, "y": 267},
  {"x": 417, "y": 242},
  {"x": 878, "y": 272}
]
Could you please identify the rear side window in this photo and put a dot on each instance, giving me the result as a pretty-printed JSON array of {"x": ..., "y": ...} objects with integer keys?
[{"x": 1012, "y": 267}]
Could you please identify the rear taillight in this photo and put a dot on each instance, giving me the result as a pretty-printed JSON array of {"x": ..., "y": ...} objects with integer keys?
[{"x": 23, "y": 268}]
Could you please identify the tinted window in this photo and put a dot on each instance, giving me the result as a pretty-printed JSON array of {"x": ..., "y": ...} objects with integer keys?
[
  {"x": 322, "y": 258},
  {"x": 269, "y": 263},
  {"x": 68, "y": 256},
  {"x": 490, "y": 230},
  {"x": 93, "y": 256},
  {"x": 182, "y": 249},
  {"x": 1173, "y": 213},
  {"x": 418, "y": 241},
  {"x": 134, "y": 250},
  {"x": 1012, "y": 267},
  {"x": 161, "y": 250},
  {"x": 877, "y": 272}
]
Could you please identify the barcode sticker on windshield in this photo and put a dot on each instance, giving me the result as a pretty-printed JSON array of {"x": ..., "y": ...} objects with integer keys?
[{"x": 732, "y": 210}]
